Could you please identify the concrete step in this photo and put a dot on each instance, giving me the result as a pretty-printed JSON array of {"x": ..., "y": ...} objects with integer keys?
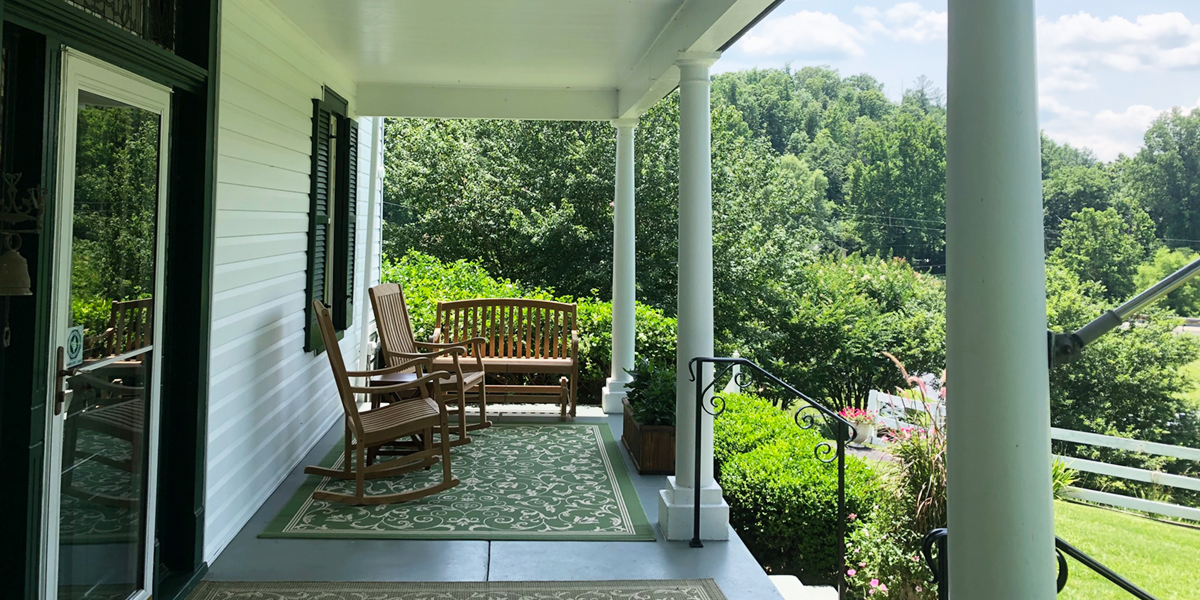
[{"x": 791, "y": 589}]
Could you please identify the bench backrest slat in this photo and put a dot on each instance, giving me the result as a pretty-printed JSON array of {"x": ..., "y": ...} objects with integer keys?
[{"x": 511, "y": 327}]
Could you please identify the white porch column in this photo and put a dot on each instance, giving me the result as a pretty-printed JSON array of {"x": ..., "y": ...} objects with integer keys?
[
  {"x": 623, "y": 321},
  {"x": 1001, "y": 520},
  {"x": 695, "y": 312}
]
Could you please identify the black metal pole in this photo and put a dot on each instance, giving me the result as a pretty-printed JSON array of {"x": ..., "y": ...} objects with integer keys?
[
  {"x": 943, "y": 559},
  {"x": 696, "y": 543},
  {"x": 841, "y": 450}
]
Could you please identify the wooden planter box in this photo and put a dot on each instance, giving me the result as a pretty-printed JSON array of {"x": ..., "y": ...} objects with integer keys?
[{"x": 652, "y": 447}]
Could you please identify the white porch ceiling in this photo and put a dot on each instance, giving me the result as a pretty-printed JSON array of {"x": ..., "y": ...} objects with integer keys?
[{"x": 534, "y": 59}]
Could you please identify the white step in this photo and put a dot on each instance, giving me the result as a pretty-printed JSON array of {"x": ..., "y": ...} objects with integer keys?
[{"x": 791, "y": 589}]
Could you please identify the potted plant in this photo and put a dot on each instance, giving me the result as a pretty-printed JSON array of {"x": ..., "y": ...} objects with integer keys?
[
  {"x": 649, "y": 432},
  {"x": 863, "y": 422}
]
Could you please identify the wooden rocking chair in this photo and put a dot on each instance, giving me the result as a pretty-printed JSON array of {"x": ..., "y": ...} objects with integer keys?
[
  {"x": 371, "y": 429},
  {"x": 467, "y": 380}
]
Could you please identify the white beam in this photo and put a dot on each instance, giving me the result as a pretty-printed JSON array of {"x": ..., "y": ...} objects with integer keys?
[
  {"x": 699, "y": 26},
  {"x": 407, "y": 100},
  {"x": 1001, "y": 516}
]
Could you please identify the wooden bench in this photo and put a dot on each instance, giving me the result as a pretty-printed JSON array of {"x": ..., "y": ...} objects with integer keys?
[
  {"x": 130, "y": 323},
  {"x": 520, "y": 336}
]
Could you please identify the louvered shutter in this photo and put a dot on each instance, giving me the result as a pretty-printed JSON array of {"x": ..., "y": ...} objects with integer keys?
[
  {"x": 318, "y": 220},
  {"x": 348, "y": 217}
]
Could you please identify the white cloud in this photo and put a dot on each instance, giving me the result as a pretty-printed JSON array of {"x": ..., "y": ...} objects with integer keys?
[
  {"x": 1073, "y": 47},
  {"x": 1109, "y": 133},
  {"x": 908, "y": 21},
  {"x": 806, "y": 34}
]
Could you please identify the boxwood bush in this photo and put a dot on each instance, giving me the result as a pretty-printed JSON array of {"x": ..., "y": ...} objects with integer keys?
[
  {"x": 783, "y": 500},
  {"x": 427, "y": 280}
]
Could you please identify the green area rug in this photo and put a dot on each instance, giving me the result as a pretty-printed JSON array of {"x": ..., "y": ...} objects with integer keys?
[
  {"x": 667, "y": 589},
  {"x": 560, "y": 481},
  {"x": 87, "y": 522}
]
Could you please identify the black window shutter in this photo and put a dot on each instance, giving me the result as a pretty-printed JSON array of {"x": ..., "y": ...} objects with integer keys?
[
  {"x": 318, "y": 219},
  {"x": 348, "y": 217}
]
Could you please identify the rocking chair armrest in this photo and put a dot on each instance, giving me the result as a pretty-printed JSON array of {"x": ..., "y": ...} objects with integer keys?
[
  {"x": 435, "y": 376},
  {"x": 422, "y": 361}
]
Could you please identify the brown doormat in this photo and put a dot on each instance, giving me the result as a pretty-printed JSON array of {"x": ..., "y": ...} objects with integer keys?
[{"x": 664, "y": 589}]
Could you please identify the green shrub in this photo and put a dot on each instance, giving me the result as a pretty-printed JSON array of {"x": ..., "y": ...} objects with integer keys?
[
  {"x": 782, "y": 499},
  {"x": 91, "y": 312},
  {"x": 427, "y": 280},
  {"x": 654, "y": 340},
  {"x": 783, "y": 504},
  {"x": 652, "y": 393},
  {"x": 747, "y": 423}
]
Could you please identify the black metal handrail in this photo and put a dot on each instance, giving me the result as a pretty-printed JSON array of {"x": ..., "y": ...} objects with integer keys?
[
  {"x": 938, "y": 565},
  {"x": 805, "y": 417}
]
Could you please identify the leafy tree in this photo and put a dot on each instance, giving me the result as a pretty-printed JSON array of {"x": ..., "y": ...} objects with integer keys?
[
  {"x": 1071, "y": 189},
  {"x": 836, "y": 315},
  {"x": 1164, "y": 177},
  {"x": 897, "y": 200},
  {"x": 1056, "y": 156},
  {"x": 1102, "y": 246},
  {"x": 116, "y": 199},
  {"x": 1185, "y": 301}
]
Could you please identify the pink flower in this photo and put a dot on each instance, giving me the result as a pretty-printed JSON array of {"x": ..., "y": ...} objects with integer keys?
[
  {"x": 851, "y": 516},
  {"x": 918, "y": 588},
  {"x": 874, "y": 583},
  {"x": 871, "y": 592},
  {"x": 883, "y": 588},
  {"x": 861, "y": 564},
  {"x": 851, "y": 573}
]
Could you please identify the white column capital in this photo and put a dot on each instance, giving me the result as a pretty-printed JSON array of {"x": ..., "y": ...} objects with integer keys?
[
  {"x": 629, "y": 123},
  {"x": 693, "y": 66}
]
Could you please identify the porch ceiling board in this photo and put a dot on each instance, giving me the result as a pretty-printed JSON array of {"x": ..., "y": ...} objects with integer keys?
[
  {"x": 401, "y": 100},
  {"x": 523, "y": 59}
]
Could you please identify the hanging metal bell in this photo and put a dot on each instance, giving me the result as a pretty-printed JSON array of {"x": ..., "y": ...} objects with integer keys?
[{"x": 14, "y": 270}]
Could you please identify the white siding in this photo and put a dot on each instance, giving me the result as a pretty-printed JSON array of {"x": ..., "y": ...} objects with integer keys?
[{"x": 269, "y": 401}]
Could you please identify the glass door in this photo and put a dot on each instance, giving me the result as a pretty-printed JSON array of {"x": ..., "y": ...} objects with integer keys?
[{"x": 108, "y": 252}]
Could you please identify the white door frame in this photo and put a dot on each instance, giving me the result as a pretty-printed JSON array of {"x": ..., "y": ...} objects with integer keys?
[{"x": 83, "y": 72}]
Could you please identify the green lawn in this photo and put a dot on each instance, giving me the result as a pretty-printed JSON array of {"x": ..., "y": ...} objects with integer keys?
[
  {"x": 1160, "y": 558},
  {"x": 1192, "y": 370}
]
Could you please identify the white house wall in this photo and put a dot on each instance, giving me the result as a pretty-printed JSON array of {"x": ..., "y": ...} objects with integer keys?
[{"x": 269, "y": 401}]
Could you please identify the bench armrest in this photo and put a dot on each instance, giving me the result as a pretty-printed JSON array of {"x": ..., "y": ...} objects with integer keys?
[{"x": 451, "y": 350}]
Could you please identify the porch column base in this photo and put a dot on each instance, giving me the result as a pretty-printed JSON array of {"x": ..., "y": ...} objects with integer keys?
[
  {"x": 675, "y": 513},
  {"x": 614, "y": 392}
]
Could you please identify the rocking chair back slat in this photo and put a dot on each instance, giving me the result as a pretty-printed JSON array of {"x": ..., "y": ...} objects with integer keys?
[
  {"x": 392, "y": 322},
  {"x": 349, "y": 405}
]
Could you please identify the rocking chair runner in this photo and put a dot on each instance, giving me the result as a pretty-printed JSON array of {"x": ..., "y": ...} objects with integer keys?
[
  {"x": 373, "y": 428},
  {"x": 467, "y": 375}
]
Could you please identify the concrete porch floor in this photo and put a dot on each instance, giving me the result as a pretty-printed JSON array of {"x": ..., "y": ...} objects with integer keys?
[{"x": 249, "y": 558}]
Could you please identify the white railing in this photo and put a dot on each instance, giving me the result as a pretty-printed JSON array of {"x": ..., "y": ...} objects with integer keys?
[
  {"x": 898, "y": 412},
  {"x": 1132, "y": 473}
]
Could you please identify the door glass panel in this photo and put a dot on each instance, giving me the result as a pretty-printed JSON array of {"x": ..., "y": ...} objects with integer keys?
[{"x": 103, "y": 520}]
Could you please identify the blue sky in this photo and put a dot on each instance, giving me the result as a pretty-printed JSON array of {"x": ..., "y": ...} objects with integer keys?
[{"x": 1106, "y": 69}]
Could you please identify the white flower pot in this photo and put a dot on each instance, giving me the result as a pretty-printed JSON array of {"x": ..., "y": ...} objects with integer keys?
[{"x": 862, "y": 433}]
